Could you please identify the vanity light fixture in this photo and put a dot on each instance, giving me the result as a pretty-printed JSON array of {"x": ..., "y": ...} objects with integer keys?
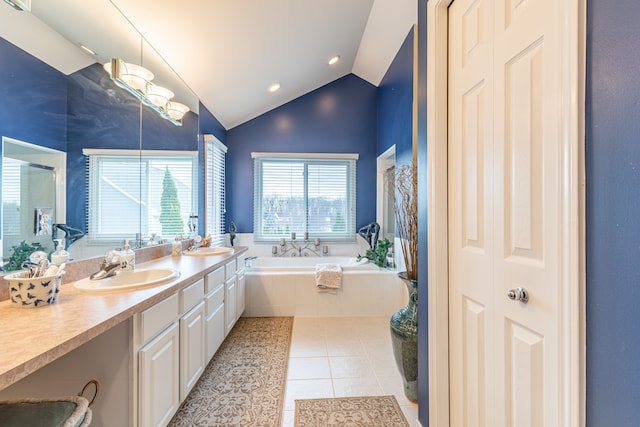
[
  {"x": 137, "y": 81},
  {"x": 19, "y": 4},
  {"x": 334, "y": 59},
  {"x": 158, "y": 95},
  {"x": 274, "y": 87},
  {"x": 176, "y": 110}
]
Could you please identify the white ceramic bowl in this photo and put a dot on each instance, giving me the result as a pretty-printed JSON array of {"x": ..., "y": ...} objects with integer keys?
[{"x": 33, "y": 292}]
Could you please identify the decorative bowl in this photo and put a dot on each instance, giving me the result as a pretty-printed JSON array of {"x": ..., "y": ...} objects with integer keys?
[{"x": 31, "y": 292}]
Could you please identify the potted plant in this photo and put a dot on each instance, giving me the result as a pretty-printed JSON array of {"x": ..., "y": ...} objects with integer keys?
[
  {"x": 402, "y": 182},
  {"x": 378, "y": 253}
]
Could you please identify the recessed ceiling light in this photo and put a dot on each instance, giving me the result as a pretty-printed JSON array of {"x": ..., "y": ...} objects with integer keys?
[
  {"x": 86, "y": 49},
  {"x": 274, "y": 87},
  {"x": 334, "y": 59}
]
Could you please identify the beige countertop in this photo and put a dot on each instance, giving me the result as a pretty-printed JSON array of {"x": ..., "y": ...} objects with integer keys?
[{"x": 30, "y": 338}]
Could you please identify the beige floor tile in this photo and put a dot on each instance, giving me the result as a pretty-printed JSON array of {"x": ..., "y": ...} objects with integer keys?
[
  {"x": 344, "y": 347},
  {"x": 306, "y": 368},
  {"x": 288, "y": 418},
  {"x": 350, "y": 367},
  {"x": 308, "y": 347},
  {"x": 384, "y": 367},
  {"x": 359, "y": 356},
  {"x": 348, "y": 387},
  {"x": 411, "y": 414}
]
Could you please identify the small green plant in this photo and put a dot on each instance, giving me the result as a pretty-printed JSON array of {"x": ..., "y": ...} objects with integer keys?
[
  {"x": 21, "y": 254},
  {"x": 378, "y": 254}
]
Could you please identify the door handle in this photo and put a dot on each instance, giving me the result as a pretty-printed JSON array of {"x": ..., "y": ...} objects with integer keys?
[{"x": 519, "y": 294}]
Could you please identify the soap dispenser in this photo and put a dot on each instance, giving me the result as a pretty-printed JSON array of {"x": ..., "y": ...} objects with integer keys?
[
  {"x": 60, "y": 256},
  {"x": 127, "y": 257}
]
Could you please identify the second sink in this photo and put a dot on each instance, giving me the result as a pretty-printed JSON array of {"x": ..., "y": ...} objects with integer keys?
[
  {"x": 128, "y": 279},
  {"x": 217, "y": 250}
]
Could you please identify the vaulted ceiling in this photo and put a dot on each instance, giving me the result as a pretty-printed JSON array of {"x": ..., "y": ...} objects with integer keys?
[{"x": 228, "y": 52}]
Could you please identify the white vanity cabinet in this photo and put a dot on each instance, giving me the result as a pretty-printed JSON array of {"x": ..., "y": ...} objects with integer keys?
[
  {"x": 240, "y": 292},
  {"x": 230, "y": 300},
  {"x": 175, "y": 339},
  {"x": 157, "y": 355},
  {"x": 240, "y": 286},
  {"x": 158, "y": 392},
  {"x": 169, "y": 352},
  {"x": 192, "y": 338},
  {"x": 214, "y": 311}
]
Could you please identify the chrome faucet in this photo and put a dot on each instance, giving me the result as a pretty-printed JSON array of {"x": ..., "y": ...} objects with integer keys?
[
  {"x": 109, "y": 266},
  {"x": 302, "y": 249},
  {"x": 195, "y": 244}
]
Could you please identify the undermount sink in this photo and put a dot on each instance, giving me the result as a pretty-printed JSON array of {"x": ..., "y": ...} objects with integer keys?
[
  {"x": 128, "y": 280},
  {"x": 220, "y": 250}
]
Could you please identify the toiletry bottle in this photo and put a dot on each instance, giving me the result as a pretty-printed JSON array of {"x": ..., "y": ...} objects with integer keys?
[
  {"x": 60, "y": 255},
  {"x": 127, "y": 257},
  {"x": 176, "y": 247}
]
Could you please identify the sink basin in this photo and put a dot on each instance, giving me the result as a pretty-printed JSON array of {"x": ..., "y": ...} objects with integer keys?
[
  {"x": 220, "y": 250},
  {"x": 128, "y": 280}
]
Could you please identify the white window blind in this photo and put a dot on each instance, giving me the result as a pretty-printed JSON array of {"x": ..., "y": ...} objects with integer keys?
[
  {"x": 214, "y": 187},
  {"x": 309, "y": 193},
  {"x": 130, "y": 193},
  {"x": 11, "y": 185}
]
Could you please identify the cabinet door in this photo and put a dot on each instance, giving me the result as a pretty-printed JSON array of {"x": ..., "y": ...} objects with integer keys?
[
  {"x": 191, "y": 349},
  {"x": 230, "y": 304},
  {"x": 240, "y": 293},
  {"x": 215, "y": 328},
  {"x": 159, "y": 360}
]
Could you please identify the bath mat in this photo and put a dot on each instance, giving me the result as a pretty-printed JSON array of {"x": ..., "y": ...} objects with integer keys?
[
  {"x": 371, "y": 411},
  {"x": 244, "y": 384}
]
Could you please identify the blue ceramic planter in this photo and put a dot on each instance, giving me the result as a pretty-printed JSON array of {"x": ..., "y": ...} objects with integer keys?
[{"x": 404, "y": 338}]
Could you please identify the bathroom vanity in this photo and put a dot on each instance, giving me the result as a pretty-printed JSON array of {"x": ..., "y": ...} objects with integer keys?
[{"x": 147, "y": 347}]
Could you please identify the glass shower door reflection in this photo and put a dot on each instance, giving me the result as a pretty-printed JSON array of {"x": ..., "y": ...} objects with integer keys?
[{"x": 28, "y": 204}]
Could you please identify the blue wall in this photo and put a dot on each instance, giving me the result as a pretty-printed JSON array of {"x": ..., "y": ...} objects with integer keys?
[
  {"x": 613, "y": 213},
  {"x": 33, "y": 97},
  {"x": 395, "y": 104},
  {"x": 33, "y": 94},
  {"x": 339, "y": 117},
  {"x": 423, "y": 289}
]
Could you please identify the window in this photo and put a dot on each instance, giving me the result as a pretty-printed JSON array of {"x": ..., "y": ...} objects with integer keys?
[
  {"x": 214, "y": 188},
  {"x": 298, "y": 193},
  {"x": 132, "y": 192}
]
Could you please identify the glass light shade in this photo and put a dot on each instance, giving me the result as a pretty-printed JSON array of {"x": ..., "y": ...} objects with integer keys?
[
  {"x": 158, "y": 95},
  {"x": 134, "y": 75},
  {"x": 176, "y": 110}
]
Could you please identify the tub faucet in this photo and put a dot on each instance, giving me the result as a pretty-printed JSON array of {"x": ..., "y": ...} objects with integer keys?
[{"x": 108, "y": 267}]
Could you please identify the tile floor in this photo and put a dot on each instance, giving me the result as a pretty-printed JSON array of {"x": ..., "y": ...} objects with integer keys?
[{"x": 340, "y": 357}]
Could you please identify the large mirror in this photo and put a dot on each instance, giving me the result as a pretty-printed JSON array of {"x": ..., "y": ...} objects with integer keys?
[{"x": 59, "y": 102}]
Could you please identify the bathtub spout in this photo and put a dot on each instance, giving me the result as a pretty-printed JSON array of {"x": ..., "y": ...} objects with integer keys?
[{"x": 307, "y": 248}]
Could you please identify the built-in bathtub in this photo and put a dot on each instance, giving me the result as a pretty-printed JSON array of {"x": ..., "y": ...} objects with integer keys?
[{"x": 286, "y": 286}]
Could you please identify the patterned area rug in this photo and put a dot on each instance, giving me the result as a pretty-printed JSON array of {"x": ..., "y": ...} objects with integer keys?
[
  {"x": 244, "y": 384},
  {"x": 375, "y": 411}
]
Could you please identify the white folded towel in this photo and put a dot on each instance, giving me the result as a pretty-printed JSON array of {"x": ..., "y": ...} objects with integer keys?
[{"x": 328, "y": 277}]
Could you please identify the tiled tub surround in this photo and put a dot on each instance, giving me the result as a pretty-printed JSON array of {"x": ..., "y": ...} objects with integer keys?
[
  {"x": 286, "y": 287},
  {"x": 33, "y": 338}
]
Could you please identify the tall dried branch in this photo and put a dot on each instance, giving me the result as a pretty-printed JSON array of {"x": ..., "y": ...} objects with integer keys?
[{"x": 402, "y": 183}]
